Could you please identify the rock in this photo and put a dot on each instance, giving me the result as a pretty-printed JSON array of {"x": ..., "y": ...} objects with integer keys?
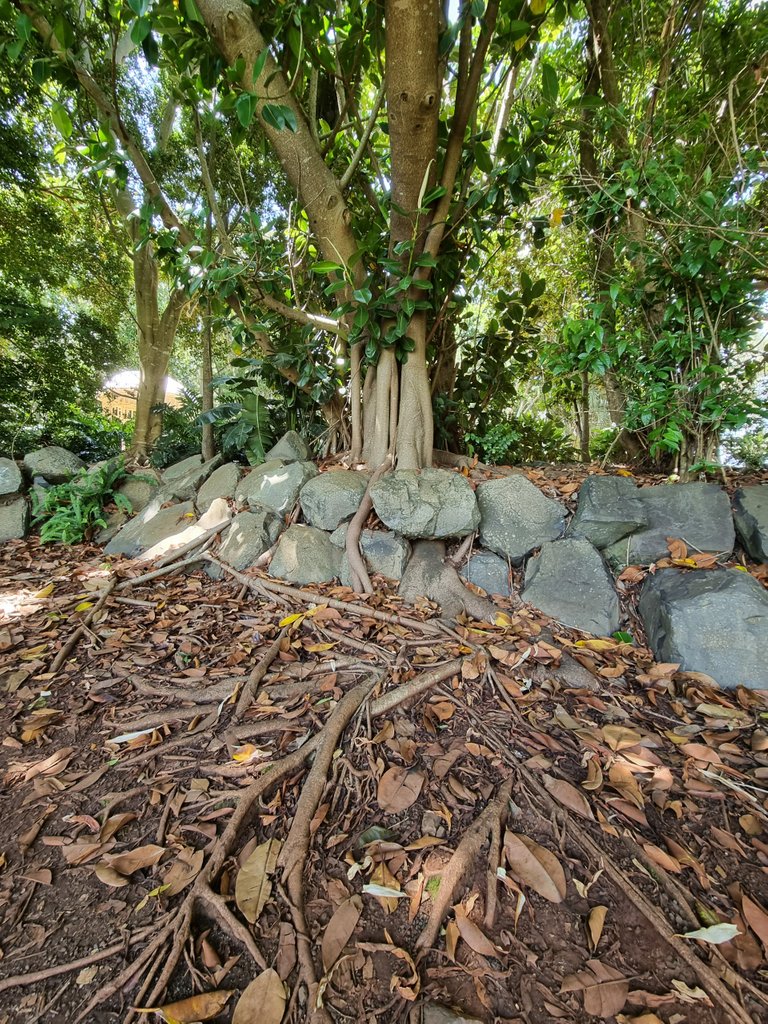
[
  {"x": 183, "y": 486},
  {"x": 699, "y": 514},
  {"x": 515, "y": 517},
  {"x": 428, "y": 576},
  {"x": 179, "y": 469},
  {"x": 10, "y": 477},
  {"x": 711, "y": 621},
  {"x": 275, "y": 485},
  {"x": 306, "y": 555},
  {"x": 290, "y": 448},
  {"x": 489, "y": 572},
  {"x": 433, "y": 1013},
  {"x": 249, "y": 536},
  {"x": 14, "y": 519},
  {"x": 222, "y": 483},
  {"x": 218, "y": 514},
  {"x": 608, "y": 509},
  {"x": 333, "y": 497},
  {"x": 434, "y": 503},
  {"x": 384, "y": 552},
  {"x": 750, "y": 513},
  {"x": 56, "y": 464},
  {"x": 139, "y": 489},
  {"x": 569, "y": 581},
  {"x": 116, "y": 520},
  {"x": 151, "y": 525}
]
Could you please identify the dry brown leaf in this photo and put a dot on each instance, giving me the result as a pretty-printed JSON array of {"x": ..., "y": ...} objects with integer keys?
[
  {"x": 471, "y": 934},
  {"x": 452, "y": 936},
  {"x": 409, "y": 987},
  {"x": 263, "y": 1001},
  {"x": 623, "y": 781},
  {"x": 135, "y": 860},
  {"x": 286, "y": 952},
  {"x": 618, "y": 737},
  {"x": 701, "y": 752},
  {"x": 186, "y": 1011},
  {"x": 253, "y": 886},
  {"x": 594, "y": 779},
  {"x": 398, "y": 789},
  {"x": 595, "y": 923},
  {"x": 184, "y": 870},
  {"x": 605, "y": 989},
  {"x": 532, "y": 865},
  {"x": 661, "y": 858},
  {"x": 644, "y": 1018},
  {"x": 568, "y": 796},
  {"x": 677, "y": 548},
  {"x": 339, "y": 930},
  {"x": 109, "y": 876},
  {"x": 111, "y": 825},
  {"x": 756, "y": 918}
]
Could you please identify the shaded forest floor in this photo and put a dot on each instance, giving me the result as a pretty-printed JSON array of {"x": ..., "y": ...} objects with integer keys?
[{"x": 223, "y": 782}]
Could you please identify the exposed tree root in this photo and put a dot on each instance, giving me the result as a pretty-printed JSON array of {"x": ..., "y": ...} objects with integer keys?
[
  {"x": 464, "y": 857},
  {"x": 361, "y": 581},
  {"x": 427, "y": 575},
  {"x": 257, "y": 674},
  {"x": 60, "y": 660}
]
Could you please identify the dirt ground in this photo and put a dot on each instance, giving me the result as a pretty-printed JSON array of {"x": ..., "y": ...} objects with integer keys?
[{"x": 273, "y": 805}]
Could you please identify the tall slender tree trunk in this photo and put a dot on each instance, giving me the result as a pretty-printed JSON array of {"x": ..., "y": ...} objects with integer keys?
[{"x": 206, "y": 383}]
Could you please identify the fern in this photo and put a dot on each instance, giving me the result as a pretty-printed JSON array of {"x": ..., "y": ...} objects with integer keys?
[{"x": 72, "y": 512}]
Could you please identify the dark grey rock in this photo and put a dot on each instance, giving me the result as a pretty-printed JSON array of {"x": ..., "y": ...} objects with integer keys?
[
  {"x": 249, "y": 536},
  {"x": 222, "y": 483},
  {"x": 515, "y": 517},
  {"x": 150, "y": 526},
  {"x": 56, "y": 464},
  {"x": 383, "y": 551},
  {"x": 333, "y": 497},
  {"x": 183, "y": 486},
  {"x": 306, "y": 555},
  {"x": 711, "y": 621},
  {"x": 290, "y": 448},
  {"x": 608, "y": 509},
  {"x": 489, "y": 572},
  {"x": 434, "y": 1013},
  {"x": 569, "y": 581},
  {"x": 139, "y": 489},
  {"x": 275, "y": 484},
  {"x": 10, "y": 477},
  {"x": 179, "y": 469},
  {"x": 14, "y": 519},
  {"x": 699, "y": 514},
  {"x": 750, "y": 513},
  {"x": 434, "y": 503}
]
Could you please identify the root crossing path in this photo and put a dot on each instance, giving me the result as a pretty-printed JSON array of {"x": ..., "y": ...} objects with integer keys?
[{"x": 234, "y": 800}]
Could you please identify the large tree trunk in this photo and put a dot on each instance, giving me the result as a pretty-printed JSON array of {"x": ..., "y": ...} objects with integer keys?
[{"x": 206, "y": 385}]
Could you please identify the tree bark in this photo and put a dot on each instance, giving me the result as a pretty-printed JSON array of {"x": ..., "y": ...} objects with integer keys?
[{"x": 206, "y": 384}]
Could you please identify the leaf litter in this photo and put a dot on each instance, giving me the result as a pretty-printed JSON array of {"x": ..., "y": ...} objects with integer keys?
[{"x": 624, "y": 877}]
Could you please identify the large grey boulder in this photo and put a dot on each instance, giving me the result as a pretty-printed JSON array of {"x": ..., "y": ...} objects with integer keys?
[
  {"x": 489, "y": 572},
  {"x": 249, "y": 536},
  {"x": 290, "y": 448},
  {"x": 711, "y": 621},
  {"x": 569, "y": 581},
  {"x": 306, "y": 555},
  {"x": 10, "y": 477},
  {"x": 333, "y": 497},
  {"x": 183, "y": 486},
  {"x": 608, "y": 509},
  {"x": 275, "y": 484},
  {"x": 383, "y": 551},
  {"x": 434, "y": 503},
  {"x": 222, "y": 483},
  {"x": 515, "y": 517},
  {"x": 139, "y": 489},
  {"x": 180, "y": 469},
  {"x": 55, "y": 464},
  {"x": 150, "y": 526},
  {"x": 14, "y": 519},
  {"x": 699, "y": 514},
  {"x": 218, "y": 515},
  {"x": 750, "y": 513}
]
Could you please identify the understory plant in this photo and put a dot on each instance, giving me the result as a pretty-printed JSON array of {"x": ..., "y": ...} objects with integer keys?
[
  {"x": 72, "y": 512},
  {"x": 525, "y": 438}
]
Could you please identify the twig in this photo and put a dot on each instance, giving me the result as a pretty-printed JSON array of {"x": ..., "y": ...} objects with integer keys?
[
  {"x": 191, "y": 545},
  {"x": 136, "y": 581},
  {"x": 464, "y": 856},
  {"x": 61, "y": 658},
  {"x": 257, "y": 674}
]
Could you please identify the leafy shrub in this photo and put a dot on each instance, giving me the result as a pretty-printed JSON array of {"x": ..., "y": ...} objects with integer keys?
[
  {"x": 182, "y": 431},
  {"x": 73, "y": 511},
  {"x": 93, "y": 436},
  {"x": 602, "y": 441},
  {"x": 525, "y": 438},
  {"x": 750, "y": 448},
  {"x": 247, "y": 426}
]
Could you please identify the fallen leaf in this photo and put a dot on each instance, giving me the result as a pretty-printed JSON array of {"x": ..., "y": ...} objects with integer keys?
[
  {"x": 111, "y": 825},
  {"x": 398, "y": 789},
  {"x": 196, "y": 1008},
  {"x": 263, "y": 1001},
  {"x": 532, "y": 865},
  {"x": 184, "y": 870},
  {"x": 595, "y": 923},
  {"x": 135, "y": 860},
  {"x": 568, "y": 796},
  {"x": 472, "y": 934},
  {"x": 86, "y": 976},
  {"x": 619, "y": 737},
  {"x": 605, "y": 989},
  {"x": 340, "y": 929},
  {"x": 756, "y": 918},
  {"x": 715, "y": 934},
  {"x": 109, "y": 876},
  {"x": 661, "y": 858},
  {"x": 253, "y": 886}
]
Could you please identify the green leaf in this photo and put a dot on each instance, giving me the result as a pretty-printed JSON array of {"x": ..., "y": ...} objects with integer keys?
[
  {"x": 362, "y": 295},
  {"x": 139, "y": 7},
  {"x": 715, "y": 246},
  {"x": 327, "y": 267},
  {"x": 61, "y": 119},
  {"x": 191, "y": 11},
  {"x": 483, "y": 158},
  {"x": 550, "y": 85},
  {"x": 140, "y": 30},
  {"x": 151, "y": 52},
  {"x": 279, "y": 117},
  {"x": 245, "y": 108},
  {"x": 258, "y": 64}
]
